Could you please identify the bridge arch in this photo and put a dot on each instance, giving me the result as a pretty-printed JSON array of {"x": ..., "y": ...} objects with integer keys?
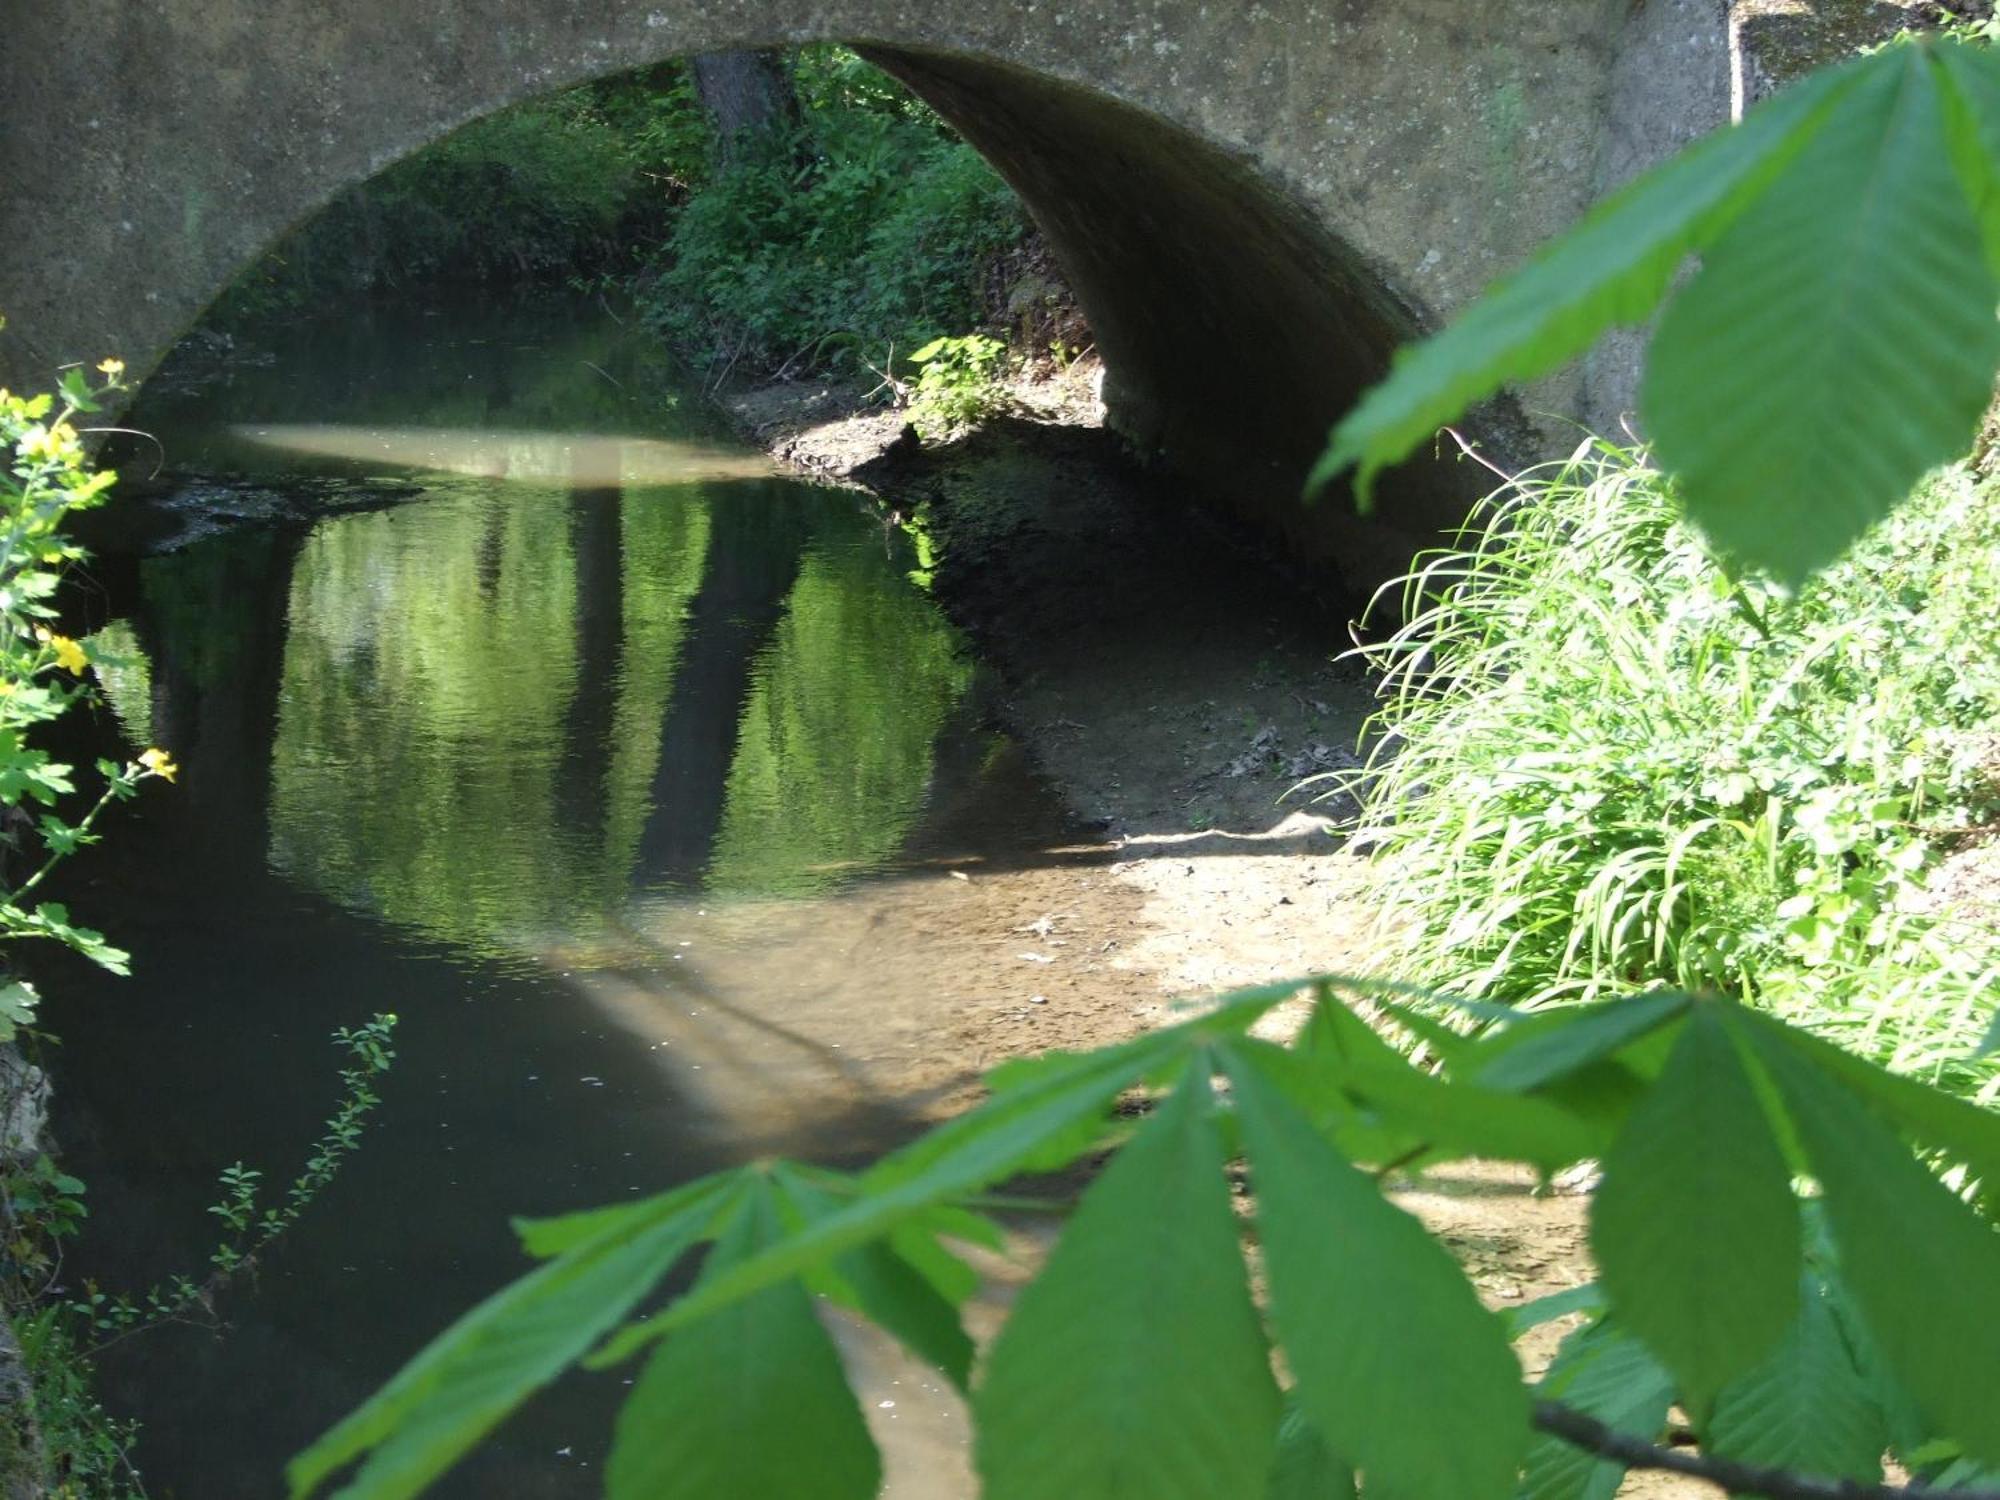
[{"x": 1254, "y": 201}]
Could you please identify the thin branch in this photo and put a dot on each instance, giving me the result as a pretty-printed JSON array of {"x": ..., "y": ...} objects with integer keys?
[
  {"x": 1471, "y": 451},
  {"x": 1591, "y": 1435}
]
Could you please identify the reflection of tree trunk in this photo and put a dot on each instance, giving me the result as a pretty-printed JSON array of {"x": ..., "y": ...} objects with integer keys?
[
  {"x": 595, "y": 528},
  {"x": 748, "y": 98},
  {"x": 753, "y": 560},
  {"x": 216, "y": 640}
]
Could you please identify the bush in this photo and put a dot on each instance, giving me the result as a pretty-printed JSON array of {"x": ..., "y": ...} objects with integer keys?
[
  {"x": 861, "y": 236},
  {"x": 958, "y": 383},
  {"x": 1604, "y": 764}
]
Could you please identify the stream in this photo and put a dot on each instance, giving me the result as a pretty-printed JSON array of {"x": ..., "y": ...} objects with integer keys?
[{"x": 639, "y": 781}]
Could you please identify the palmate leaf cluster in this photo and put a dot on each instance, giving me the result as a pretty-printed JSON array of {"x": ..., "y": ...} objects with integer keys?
[
  {"x": 1837, "y": 341},
  {"x": 1816, "y": 1334}
]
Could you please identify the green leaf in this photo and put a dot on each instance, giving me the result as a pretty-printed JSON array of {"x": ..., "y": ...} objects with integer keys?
[
  {"x": 949, "y": 1276},
  {"x": 1401, "y": 1370},
  {"x": 876, "y": 1281},
  {"x": 1839, "y": 340},
  {"x": 1447, "y": 1045},
  {"x": 545, "y": 1238},
  {"x": 1923, "y": 1268},
  {"x": 1553, "y": 1044},
  {"x": 1696, "y": 1227},
  {"x": 966, "y": 1154},
  {"x": 1587, "y": 1298},
  {"x": 1458, "y": 1118},
  {"x": 1972, "y": 87},
  {"x": 75, "y": 388},
  {"x": 749, "y": 1402},
  {"x": 1305, "y": 1468},
  {"x": 1604, "y": 1372},
  {"x": 957, "y": 1158},
  {"x": 1134, "y": 1367},
  {"x": 1612, "y": 268},
  {"x": 17, "y": 1008},
  {"x": 477, "y": 1371},
  {"x": 1807, "y": 1408},
  {"x": 1966, "y": 1133}
]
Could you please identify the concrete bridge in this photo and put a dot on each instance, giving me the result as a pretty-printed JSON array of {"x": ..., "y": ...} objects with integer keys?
[{"x": 1256, "y": 200}]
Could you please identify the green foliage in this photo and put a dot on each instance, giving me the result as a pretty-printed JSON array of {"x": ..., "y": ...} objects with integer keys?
[
  {"x": 1380, "y": 1327},
  {"x": 1807, "y": 1408},
  {"x": 41, "y": 1208},
  {"x": 695, "y": 1425},
  {"x": 1153, "y": 1347},
  {"x": 1696, "y": 1229},
  {"x": 1142, "y": 1364},
  {"x": 958, "y": 383},
  {"x": 86, "y": 1451},
  {"x": 43, "y": 480},
  {"x": 1603, "y": 764},
  {"x": 1604, "y": 1372},
  {"x": 862, "y": 237},
  {"x": 1837, "y": 341}
]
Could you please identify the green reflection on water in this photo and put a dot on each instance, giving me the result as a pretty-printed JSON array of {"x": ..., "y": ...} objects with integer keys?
[
  {"x": 664, "y": 547},
  {"x": 470, "y": 739},
  {"x": 429, "y": 661},
  {"x": 125, "y": 675},
  {"x": 833, "y": 760}
]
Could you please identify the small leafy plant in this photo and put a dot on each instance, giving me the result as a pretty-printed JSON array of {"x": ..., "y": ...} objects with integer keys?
[
  {"x": 958, "y": 383},
  {"x": 42, "y": 672},
  {"x": 249, "y": 1228}
]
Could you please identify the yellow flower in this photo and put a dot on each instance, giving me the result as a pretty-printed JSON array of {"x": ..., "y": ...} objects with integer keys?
[
  {"x": 159, "y": 763},
  {"x": 47, "y": 442},
  {"x": 69, "y": 655},
  {"x": 112, "y": 367}
]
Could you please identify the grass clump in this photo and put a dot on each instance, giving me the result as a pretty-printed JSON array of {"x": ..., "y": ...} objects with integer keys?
[{"x": 1604, "y": 763}]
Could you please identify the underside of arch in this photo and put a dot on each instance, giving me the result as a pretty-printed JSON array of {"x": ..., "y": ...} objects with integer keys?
[{"x": 1234, "y": 328}]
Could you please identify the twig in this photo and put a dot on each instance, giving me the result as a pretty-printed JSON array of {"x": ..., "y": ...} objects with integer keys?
[
  {"x": 1591, "y": 1435},
  {"x": 1473, "y": 453},
  {"x": 1396, "y": 1164},
  {"x": 135, "y": 432}
]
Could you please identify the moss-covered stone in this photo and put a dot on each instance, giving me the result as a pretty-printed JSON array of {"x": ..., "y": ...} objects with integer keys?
[{"x": 1784, "y": 39}]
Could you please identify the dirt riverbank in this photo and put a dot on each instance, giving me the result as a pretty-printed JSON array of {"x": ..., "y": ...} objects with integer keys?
[{"x": 1176, "y": 683}]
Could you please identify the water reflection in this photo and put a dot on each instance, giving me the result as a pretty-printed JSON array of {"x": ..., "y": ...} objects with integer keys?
[
  {"x": 604, "y": 783},
  {"x": 577, "y": 459},
  {"x": 561, "y": 737},
  {"x": 834, "y": 749}
]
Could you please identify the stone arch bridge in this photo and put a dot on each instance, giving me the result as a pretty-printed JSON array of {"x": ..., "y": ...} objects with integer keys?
[{"x": 1256, "y": 200}]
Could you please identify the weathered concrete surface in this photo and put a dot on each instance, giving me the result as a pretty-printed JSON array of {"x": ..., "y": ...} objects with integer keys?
[{"x": 1255, "y": 201}]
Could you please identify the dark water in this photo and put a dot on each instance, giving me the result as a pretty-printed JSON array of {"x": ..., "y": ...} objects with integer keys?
[{"x": 524, "y": 760}]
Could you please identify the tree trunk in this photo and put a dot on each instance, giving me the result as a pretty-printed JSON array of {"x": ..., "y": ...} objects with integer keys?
[{"x": 749, "y": 99}]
